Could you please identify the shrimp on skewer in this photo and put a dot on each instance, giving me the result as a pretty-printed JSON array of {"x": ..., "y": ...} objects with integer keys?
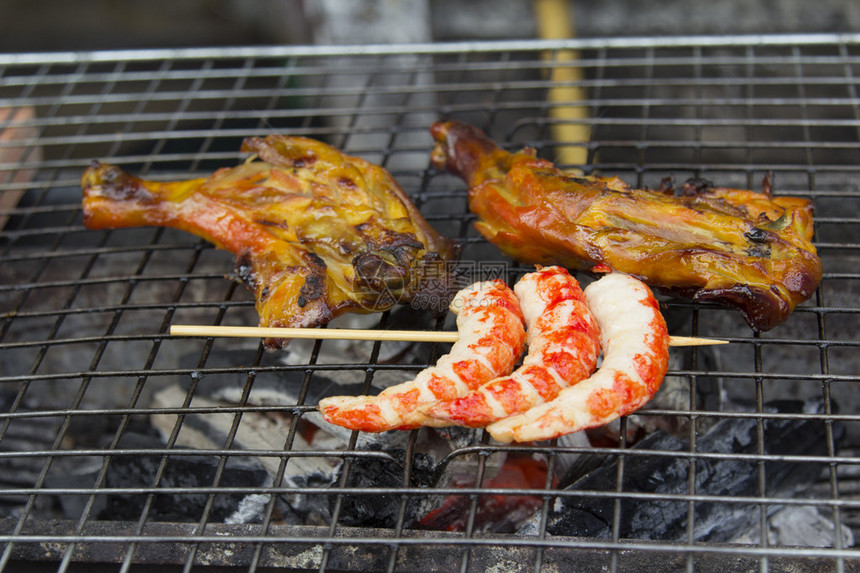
[
  {"x": 491, "y": 341},
  {"x": 635, "y": 360},
  {"x": 563, "y": 341}
]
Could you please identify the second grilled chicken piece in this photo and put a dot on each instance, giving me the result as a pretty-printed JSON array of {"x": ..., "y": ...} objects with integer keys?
[
  {"x": 751, "y": 251},
  {"x": 316, "y": 232}
]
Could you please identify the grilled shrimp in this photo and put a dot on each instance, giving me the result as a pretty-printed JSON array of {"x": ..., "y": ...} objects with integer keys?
[
  {"x": 635, "y": 359},
  {"x": 491, "y": 341},
  {"x": 563, "y": 341}
]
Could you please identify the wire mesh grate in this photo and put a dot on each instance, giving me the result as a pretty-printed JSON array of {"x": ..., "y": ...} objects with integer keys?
[{"x": 121, "y": 447}]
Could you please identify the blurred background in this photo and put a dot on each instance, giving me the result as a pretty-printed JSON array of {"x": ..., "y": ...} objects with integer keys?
[{"x": 115, "y": 24}]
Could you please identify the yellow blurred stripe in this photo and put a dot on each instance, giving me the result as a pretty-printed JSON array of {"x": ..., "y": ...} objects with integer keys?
[{"x": 568, "y": 112}]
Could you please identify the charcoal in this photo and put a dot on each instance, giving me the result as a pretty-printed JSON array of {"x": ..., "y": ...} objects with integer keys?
[
  {"x": 675, "y": 392},
  {"x": 642, "y": 518},
  {"x": 24, "y": 435},
  {"x": 564, "y": 463},
  {"x": 76, "y": 472},
  {"x": 283, "y": 389},
  {"x": 181, "y": 471},
  {"x": 258, "y": 431},
  {"x": 493, "y": 512},
  {"x": 381, "y": 510},
  {"x": 307, "y": 509},
  {"x": 286, "y": 386},
  {"x": 268, "y": 431}
]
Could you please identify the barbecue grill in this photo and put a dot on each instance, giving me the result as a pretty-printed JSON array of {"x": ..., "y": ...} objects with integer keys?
[{"x": 123, "y": 448}]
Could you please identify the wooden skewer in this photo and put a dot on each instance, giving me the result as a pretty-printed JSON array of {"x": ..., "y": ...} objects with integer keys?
[
  {"x": 694, "y": 341},
  {"x": 357, "y": 334}
]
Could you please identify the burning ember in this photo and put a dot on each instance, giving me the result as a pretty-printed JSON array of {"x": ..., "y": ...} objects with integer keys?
[{"x": 498, "y": 513}]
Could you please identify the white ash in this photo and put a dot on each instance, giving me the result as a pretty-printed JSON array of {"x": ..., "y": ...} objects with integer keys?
[
  {"x": 799, "y": 526},
  {"x": 333, "y": 437},
  {"x": 257, "y": 431},
  {"x": 806, "y": 526},
  {"x": 249, "y": 509},
  {"x": 563, "y": 462}
]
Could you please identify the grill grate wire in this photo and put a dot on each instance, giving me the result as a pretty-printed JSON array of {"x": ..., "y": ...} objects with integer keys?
[{"x": 84, "y": 356}]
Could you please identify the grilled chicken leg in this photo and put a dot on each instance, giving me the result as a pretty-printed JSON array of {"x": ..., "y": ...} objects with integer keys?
[
  {"x": 316, "y": 232},
  {"x": 751, "y": 251}
]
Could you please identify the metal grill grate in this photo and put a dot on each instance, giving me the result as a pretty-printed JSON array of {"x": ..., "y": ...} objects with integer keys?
[{"x": 123, "y": 449}]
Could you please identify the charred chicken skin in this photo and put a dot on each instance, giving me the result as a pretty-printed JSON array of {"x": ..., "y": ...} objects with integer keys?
[
  {"x": 745, "y": 249},
  {"x": 316, "y": 232}
]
